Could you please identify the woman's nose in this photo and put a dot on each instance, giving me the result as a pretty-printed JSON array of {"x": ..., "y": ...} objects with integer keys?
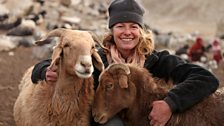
[{"x": 127, "y": 31}]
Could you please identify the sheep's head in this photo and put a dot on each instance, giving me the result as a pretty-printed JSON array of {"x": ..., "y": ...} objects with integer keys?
[
  {"x": 75, "y": 52},
  {"x": 114, "y": 93}
]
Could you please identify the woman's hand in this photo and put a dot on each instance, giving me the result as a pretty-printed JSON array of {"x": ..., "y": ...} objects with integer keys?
[
  {"x": 160, "y": 113},
  {"x": 51, "y": 76}
]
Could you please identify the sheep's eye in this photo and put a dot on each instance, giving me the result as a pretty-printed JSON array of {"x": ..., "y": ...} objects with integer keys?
[
  {"x": 92, "y": 49},
  {"x": 109, "y": 86},
  {"x": 66, "y": 45}
]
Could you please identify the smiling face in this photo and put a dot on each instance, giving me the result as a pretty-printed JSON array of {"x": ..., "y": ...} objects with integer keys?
[
  {"x": 126, "y": 36},
  {"x": 76, "y": 53}
]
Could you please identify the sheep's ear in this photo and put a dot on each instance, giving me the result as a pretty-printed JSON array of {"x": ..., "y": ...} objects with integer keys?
[
  {"x": 123, "y": 81},
  {"x": 97, "y": 61},
  {"x": 55, "y": 57}
]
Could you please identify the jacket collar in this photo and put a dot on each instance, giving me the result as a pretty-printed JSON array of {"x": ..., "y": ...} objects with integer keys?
[{"x": 151, "y": 60}]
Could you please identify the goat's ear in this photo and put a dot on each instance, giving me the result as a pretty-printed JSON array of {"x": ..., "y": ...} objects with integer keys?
[
  {"x": 97, "y": 61},
  {"x": 55, "y": 57},
  {"x": 54, "y": 33},
  {"x": 123, "y": 81}
]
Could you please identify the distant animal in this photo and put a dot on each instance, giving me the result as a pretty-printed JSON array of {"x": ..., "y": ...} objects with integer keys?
[
  {"x": 68, "y": 101},
  {"x": 26, "y": 28},
  {"x": 6, "y": 25},
  {"x": 128, "y": 91},
  {"x": 4, "y": 17}
]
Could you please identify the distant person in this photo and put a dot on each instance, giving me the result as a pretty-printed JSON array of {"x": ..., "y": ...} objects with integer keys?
[
  {"x": 216, "y": 50},
  {"x": 197, "y": 50}
]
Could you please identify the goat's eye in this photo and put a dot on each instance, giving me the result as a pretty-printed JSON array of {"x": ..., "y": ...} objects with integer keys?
[
  {"x": 109, "y": 86},
  {"x": 93, "y": 48},
  {"x": 66, "y": 45}
]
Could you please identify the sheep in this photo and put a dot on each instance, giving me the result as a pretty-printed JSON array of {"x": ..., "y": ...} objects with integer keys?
[
  {"x": 128, "y": 91},
  {"x": 26, "y": 28},
  {"x": 6, "y": 25},
  {"x": 66, "y": 102}
]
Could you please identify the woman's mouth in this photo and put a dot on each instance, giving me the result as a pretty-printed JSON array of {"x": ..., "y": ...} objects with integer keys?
[{"x": 126, "y": 39}]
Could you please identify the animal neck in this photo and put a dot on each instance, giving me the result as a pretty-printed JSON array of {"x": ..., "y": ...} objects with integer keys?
[
  {"x": 70, "y": 83},
  {"x": 147, "y": 88},
  {"x": 147, "y": 91},
  {"x": 158, "y": 94},
  {"x": 65, "y": 76},
  {"x": 66, "y": 81},
  {"x": 68, "y": 89},
  {"x": 66, "y": 97}
]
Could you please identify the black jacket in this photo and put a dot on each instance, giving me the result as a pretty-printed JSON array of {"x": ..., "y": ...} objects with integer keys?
[{"x": 193, "y": 82}]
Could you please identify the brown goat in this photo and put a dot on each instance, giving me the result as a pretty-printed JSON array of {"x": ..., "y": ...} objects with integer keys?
[
  {"x": 128, "y": 91},
  {"x": 68, "y": 101}
]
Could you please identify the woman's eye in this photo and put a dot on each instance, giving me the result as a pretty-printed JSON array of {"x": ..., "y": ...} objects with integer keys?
[
  {"x": 134, "y": 27},
  {"x": 119, "y": 26}
]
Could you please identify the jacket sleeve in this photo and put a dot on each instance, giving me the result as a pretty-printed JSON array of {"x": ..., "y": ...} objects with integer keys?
[
  {"x": 39, "y": 71},
  {"x": 192, "y": 82}
]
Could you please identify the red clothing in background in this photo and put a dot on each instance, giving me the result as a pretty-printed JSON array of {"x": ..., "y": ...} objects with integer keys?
[
  {"x": 197, "y": 50},
  {"x": 216, "y": 50}
]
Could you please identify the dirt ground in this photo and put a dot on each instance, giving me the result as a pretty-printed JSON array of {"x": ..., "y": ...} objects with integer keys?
[{"x": 11, "y": 71}]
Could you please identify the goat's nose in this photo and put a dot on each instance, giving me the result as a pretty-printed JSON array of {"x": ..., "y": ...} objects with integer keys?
[{"x": 86, "y": 64}]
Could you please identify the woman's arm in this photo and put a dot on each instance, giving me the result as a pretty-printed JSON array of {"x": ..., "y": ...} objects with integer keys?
[
  {"x": 193, "y": 83},
  {"x": 39, "y": 71}
]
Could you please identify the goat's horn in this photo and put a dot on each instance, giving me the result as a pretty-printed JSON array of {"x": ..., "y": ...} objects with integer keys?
[
  {"x": 119, "y": 66},
  {"x": 54, "y": 33},
  {"x": 96, "y": 39}
]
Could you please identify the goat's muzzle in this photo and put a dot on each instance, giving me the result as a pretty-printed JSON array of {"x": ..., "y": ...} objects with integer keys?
[{"x": 84, "y": 68}]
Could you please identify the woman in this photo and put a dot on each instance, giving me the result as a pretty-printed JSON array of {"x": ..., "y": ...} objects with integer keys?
[
  {"x": 127, "y": 42},
  {"x": 217, "y": 51}
]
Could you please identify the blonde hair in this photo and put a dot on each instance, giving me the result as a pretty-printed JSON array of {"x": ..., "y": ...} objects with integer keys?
[{"x": 144, "y": 47}]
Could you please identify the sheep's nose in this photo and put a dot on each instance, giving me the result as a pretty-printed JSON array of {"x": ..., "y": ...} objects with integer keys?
[{"x": 87, "y": 66}]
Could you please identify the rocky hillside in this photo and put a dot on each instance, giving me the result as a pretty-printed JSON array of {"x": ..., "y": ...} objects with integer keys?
[
  {"x": 184, "y": 16},
  {"x": 178, "y": 17}
]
